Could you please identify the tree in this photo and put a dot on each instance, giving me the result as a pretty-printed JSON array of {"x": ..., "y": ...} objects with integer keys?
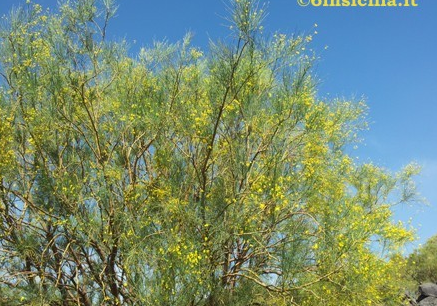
[
  {"x": 183, "y": 178},
  {"x": 422, "y": 263}
]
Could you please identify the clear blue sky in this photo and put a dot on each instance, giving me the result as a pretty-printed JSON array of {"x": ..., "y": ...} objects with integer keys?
[{"x": 387, "y": 55}]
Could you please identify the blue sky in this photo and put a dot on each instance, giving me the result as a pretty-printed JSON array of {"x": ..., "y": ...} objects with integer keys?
[{"x": 385, "y": 54}]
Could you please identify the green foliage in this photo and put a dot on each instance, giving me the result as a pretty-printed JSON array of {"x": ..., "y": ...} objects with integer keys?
[
  {"x": 422, "y": 263},
  {"x": 183, "y": 178}
]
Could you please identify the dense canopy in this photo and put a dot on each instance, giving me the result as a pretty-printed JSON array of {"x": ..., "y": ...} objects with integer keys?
[{"x": 183, "y": 177}]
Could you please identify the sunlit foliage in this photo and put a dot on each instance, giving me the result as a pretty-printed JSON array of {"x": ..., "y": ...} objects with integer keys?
[
  {"x": 183, "y": 177},
  {"x": 422, "y": 264}
]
